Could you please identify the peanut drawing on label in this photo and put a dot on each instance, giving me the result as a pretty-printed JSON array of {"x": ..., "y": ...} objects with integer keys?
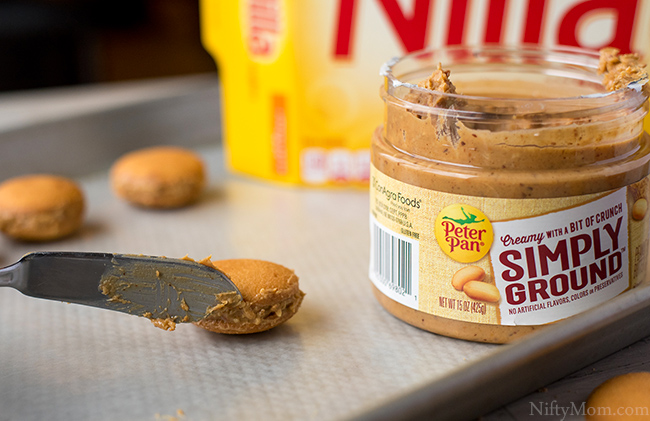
[
  {"x": 639, "y": 209},
  {"x": 470, "y": 280}
]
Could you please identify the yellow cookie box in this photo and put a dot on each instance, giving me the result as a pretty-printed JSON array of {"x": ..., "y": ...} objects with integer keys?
[{"x": 300, "y": 78}]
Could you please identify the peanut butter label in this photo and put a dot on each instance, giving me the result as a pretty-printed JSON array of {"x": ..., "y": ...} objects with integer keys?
[
  {"x": 555, "y": 265},
  {"x": 505, "y": 261}
]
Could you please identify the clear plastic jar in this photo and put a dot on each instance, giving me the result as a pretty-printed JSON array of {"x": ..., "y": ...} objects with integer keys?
[{"x": 527, "y": 188}]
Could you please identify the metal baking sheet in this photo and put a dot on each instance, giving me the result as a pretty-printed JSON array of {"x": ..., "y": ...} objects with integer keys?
[{"x": 341, "y": 357}]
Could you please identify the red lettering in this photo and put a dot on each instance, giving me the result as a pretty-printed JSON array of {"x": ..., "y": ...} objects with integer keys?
[
  {"x": 615, "y": 261},
  {"x": 412, "y": 31},
  {"x": 457, "y": 22},
  {"x": 515, "y": 294},
  {"x": 409, "y": 21},
  {"x": 584, "y": 280},
  {"x": 453, "y": 243},
  {"x": 598, "y": 252},
  {"x": 614, "y": 232},
  {"x": 448, "y": 226},
  {"x": 516, "y": 272},
  {"x": 344, "y": 28},
  {"x": 530, "y": 260},
  {"x": 494, "y": 26},
  {"x": 538, "y": 287},
  {"x": 560, "y": 252},
  {"x": 263, "y": 26},
  {"x": 576, "y": 250},
  {"x": 598, "y": 271},
  {"x": 534, "y": 19},
  {"x": 559, "y": 285},
  {"x": 259, "y": 45},
  {"x": 624, "y": 11}
]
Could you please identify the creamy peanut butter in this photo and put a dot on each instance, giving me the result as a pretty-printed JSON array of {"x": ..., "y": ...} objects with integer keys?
[
  {"x": 270, "y": 296},
  {"x": 168, "y": 292},
  {"x": 160, "y": 290},
  {"x": 235, "y": 310},
  {"x": 164, "y": 324},
  {"x": 526, "y": 167},
  {"x": 438, "y": 81}
]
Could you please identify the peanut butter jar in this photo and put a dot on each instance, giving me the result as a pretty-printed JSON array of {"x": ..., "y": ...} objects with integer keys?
[{"x": 510, "y": 196}]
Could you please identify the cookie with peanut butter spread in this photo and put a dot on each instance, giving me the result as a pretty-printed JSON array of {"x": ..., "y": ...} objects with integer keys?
[
  {"x": 40, "y": 207},
  {"x": 624, "y": 397},
  {"x": 159, "y": 177},
  {"x": 270, "y": 296}
]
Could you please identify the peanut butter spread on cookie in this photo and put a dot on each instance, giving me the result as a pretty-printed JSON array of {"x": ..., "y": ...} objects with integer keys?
[
  {"x": 122, "y": 282},
  {"x": 268, "y": 294},
  {"x": 232, "y": 309}
]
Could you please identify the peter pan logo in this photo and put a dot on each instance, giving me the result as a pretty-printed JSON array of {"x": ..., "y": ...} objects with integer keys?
[{"x": 463, "y": 232}]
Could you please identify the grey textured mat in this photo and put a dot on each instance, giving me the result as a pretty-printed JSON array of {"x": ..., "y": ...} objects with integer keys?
[{"x": 342, "y": 356}]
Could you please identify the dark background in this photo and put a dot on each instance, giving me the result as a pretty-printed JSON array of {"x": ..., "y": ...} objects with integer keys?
[{"x": 46, "y": 43}]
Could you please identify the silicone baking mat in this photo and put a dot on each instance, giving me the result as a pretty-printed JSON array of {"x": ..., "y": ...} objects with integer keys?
[{"x": 342, "y": 356}]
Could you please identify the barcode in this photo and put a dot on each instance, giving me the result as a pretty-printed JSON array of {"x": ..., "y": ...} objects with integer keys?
[{"x": 391, "y": 261}]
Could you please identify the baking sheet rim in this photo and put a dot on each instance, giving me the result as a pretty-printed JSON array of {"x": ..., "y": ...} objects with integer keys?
[{"x": 490, "y": 382}]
